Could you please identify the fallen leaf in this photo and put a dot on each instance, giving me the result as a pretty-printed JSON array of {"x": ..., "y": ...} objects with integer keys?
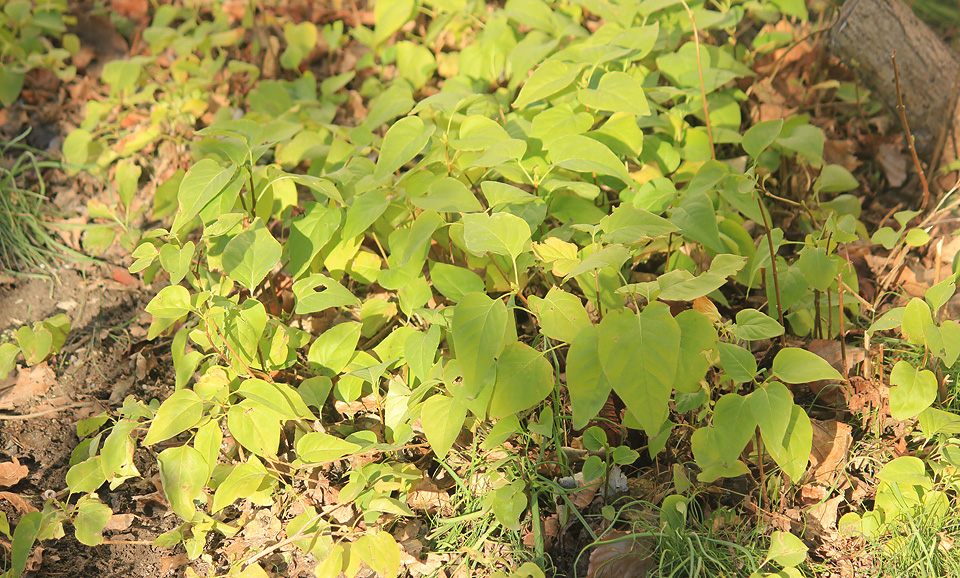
[
  {"x": 11, "y": 473},
  {"x": 831, "y": 444},
  {"x": 946, "y": 542},
  {"x": 28, "y": 384},
  {"x": 119, "y": 522},
  {"x": 822, "y": 518},
  {"x": 18, "y": 502},
  {"x": 264, "y": 527},
  {"x": 627, "y": 556},
  {"x": 893, "y": 163},
  {"x": 428, "y": 497}
]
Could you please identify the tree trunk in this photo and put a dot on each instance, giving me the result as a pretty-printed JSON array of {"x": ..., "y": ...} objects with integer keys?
[{"x": 865, "y": 36}]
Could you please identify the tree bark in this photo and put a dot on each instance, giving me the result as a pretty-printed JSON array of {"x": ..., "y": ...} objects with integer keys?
[{"x": 865, "y": 36}]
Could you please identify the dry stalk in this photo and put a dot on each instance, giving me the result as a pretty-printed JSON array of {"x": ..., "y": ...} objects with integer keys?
[{"x": 906, "y": 128}]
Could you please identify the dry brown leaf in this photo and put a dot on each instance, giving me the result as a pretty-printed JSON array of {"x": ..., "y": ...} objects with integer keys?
[
  {"x": 428, "y": 497},
  {"x": 831, "y": 445},
  {"x": 840, "y": 152},
  {"x": 28, "y": 384},
  {"x": 893, "y": 163},
  {"x": 119, "y": 522},
  {"x": 828, "y": 391},
  {"x": 822, "y": 518},
  {"x": 629, "y": 556},
  {"x": 264, "y": 527},
  {"x": 18, "y": 502},
  {"x": 366, "y": 404},
  {"x": 11, "y": 473}
]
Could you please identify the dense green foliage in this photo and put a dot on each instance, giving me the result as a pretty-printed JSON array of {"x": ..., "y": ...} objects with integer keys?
[{"x": 491, "y": 250}]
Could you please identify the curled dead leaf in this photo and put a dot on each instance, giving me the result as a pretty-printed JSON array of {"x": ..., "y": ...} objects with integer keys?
[
  {"x": 18, "y": 502},
  {"x": 621, "y": 555},
  {"x": 830, "y": 449},
  {"x": 29, "y": 383},
  {"x": 12, "y": 472},
  {"x": 428, "y": 497}
]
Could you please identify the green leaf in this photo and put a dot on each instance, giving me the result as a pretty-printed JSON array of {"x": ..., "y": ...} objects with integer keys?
[
  {"x": 819, "y": 269},
  {"x": 454, "y": 282},
  {"x": 697, "y": 334},
  {"x": 389, "y": 16},
  {"x": 905, "y": 471},
  {"x": 200, "y": 186},
  {"x": 915, "y": 390},
  {"x": 24, "y": 536},
  {"x": 629, "y": 224},
  {"x": 500, "y": 234},
  {"x": 949, "y": 330},
  {"x": 916, "y": 317},
  {"x": 697, "y": 220},
  {"x": 617, "y": 92},
  {"x": 733, "y": 424},
  {"x": 524, "y": 379},
  {"x": 710, "y": 456},
  {"x": 317, "y": 447},
  {"x": 76, "y": 147},
  {"x": 402, "y": 142},
  {"x": 786, "y": 549},
  {"x": 180, "y": 412},
  {"x": 8, "y": 358},
  {"x": 807, "y": 141},
  {"x": 442, "y": 418},
  {"x": 835, "y": 179},
  {"x": 917, "y": 238},
  {"x": 335, "y": 347},
  {"x": 310, "y": 301},
  {"x": 639, "y": 355},
  {"x": 938, "y": 295},
  {"x": 255, "y": 427},
  {"x": 11, "y": 83},
  {"x": 772, "y": 406},
  {"x": 177, "y": 260},
  {"x": 420, "y": 351},
  {"x": 36, "y": 345},
  {"x": 91, "y": 518},
  {"x": 301, "y": 39},
  {"x": 587, "y": 383},
  {"x": 380, "y": 552},
  {"x": 793, "y": 453},
  {"x": 365, "y": 209},
  {"x": 760, "y": 136},
  {"x": 183, "y": 473},
  {"x": 448, "y": 195},
  {"x": 251, "y": 255},
  {"x": 548, "y": 79},
  {"x": 738, "y": 363},
  {"x": 279, "y": 397},
  {"x": 244, "y": 480},
  {"x": 753, "y": 325},
  {"x": 610, "y": 256},
  {"x": 794, "y": 365},
  {"x": 86, "y": 476},
  {"x": 308, "y": 234},
  {"x": 480, "y": 331},
  {"x": 561, "y": 314},
  {"x": 584, "y": 154}
]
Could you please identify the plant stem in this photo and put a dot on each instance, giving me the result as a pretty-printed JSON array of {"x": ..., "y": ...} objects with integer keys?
[
  {"x": 906, "y": 128},
  {"x": 773, "y": 267}
]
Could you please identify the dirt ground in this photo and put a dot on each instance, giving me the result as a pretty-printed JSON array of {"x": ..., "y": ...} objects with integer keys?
[{"x": 104, "y": 360}]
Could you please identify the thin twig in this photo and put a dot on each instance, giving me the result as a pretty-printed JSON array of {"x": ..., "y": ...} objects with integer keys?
[
  {"x": 906, "y": 128},
  {"x": 26, "y": 416},
  {"x": 703, "y": 91},
  {"x": 773, "y": 266}
]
